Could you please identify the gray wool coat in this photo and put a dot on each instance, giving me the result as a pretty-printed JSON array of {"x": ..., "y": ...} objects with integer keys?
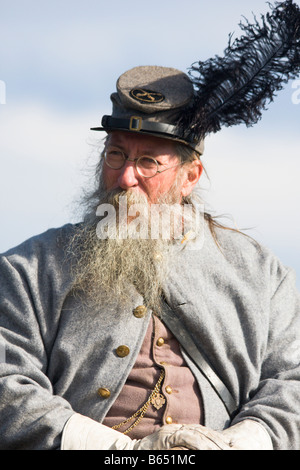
[{"x": 238, "y": 306}]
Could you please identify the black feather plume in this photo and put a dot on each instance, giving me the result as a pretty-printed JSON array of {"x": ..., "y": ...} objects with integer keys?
[{"x": 234, "y": 89}]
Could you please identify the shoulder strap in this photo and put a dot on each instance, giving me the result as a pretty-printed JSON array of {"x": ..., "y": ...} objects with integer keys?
[{"x": 172, "y": 321}]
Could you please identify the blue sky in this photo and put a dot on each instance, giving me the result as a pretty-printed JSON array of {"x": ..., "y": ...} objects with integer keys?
[{"x": 59, "y": 62}]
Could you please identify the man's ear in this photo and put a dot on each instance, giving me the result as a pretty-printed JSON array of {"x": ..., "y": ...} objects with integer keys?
[{"x": 191, "y": 178}]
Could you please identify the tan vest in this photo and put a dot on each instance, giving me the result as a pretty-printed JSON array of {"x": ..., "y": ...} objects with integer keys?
[{"x": 179, "y": 389}]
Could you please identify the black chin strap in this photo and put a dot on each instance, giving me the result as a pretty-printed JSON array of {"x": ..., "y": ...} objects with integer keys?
[{"x": 138, "y": 124}]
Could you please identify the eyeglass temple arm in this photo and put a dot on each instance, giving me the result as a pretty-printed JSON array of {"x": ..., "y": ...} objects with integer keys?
[{"x": 169, "y": 168}]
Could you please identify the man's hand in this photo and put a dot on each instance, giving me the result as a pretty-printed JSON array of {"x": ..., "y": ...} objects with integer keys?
[
  {"x": 246, "y": 435},
  {"x": 184, "y": 436},
  {"x": 82, "y": 433}
]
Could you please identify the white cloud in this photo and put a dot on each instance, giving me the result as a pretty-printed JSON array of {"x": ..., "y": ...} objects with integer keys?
[
  {"x": 254, "y": 179},
  {"x": 44, "y": 157}
]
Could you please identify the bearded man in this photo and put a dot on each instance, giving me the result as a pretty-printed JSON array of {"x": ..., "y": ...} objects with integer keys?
[{"x": 120, "y": 337}]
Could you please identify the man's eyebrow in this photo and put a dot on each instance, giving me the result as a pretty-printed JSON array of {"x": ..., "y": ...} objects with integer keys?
[
  {"x": 148, "y": 151},
  {"x": 115, "y": 145}
]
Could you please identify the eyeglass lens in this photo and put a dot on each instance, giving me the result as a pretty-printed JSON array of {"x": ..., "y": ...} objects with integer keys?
[{"x": 146, "y": 166}]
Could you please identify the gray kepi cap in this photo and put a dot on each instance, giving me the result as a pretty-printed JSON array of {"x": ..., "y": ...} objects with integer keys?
[
  {"x": 149, "y": 100},
  {"x": 222, "y": 91}
]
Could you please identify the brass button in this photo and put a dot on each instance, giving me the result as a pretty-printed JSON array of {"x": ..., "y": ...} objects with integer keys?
[
  {"x": 169, "y": 420},
  {"x": 122, "y": 351},
  {"x": 160, "y": 342},
  {"x": 157, "y": 257},
  {"x": 104, "y": 392},
  {"x": 140, "y": 311},
  {"x": 169, "y": 389}
]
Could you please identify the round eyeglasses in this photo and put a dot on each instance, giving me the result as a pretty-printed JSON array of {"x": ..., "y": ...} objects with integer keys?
[{"x": 145, "y": 166}]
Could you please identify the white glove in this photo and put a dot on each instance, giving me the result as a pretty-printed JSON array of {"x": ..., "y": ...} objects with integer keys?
[
  {"x": 245, "y": 435},
  {"x": 83, "y": 433},
  {"x": 248, "y": 435}
]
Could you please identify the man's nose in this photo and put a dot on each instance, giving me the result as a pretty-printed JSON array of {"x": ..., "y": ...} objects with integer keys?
[{"x": 128, "y": 176}]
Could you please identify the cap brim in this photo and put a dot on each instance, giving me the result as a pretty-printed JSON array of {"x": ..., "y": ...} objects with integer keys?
[{"x": 138, "y": 126}]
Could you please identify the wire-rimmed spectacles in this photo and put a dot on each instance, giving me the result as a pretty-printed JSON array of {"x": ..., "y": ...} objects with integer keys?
[{"x": 146, "y": 166}]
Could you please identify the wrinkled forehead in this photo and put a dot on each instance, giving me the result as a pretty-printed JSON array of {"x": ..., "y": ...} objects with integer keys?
[{"x": 149, "y": 144}]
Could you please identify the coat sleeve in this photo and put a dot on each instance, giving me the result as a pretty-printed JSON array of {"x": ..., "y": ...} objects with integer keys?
[
  {"x": 275, "y": 403},
  {"x": 32, "y": 417}
]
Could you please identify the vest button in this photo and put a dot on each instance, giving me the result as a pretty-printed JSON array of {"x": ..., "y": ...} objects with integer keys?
[
  {"x": 157, "y": 257},
  {"x": 122, "y": 351},
  {"x": 140, "y": 311},
  {"x": 104, "y": 392},
  {"x": 169, "y": 389},
  {"x": 169, "y": 420},
  {"x": 160, "y": 342}
]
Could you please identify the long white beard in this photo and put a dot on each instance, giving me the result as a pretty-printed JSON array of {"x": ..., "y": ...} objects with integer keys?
[
  {"x": 108, "y": 261},
  {"x": 105, "y": 267}
]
